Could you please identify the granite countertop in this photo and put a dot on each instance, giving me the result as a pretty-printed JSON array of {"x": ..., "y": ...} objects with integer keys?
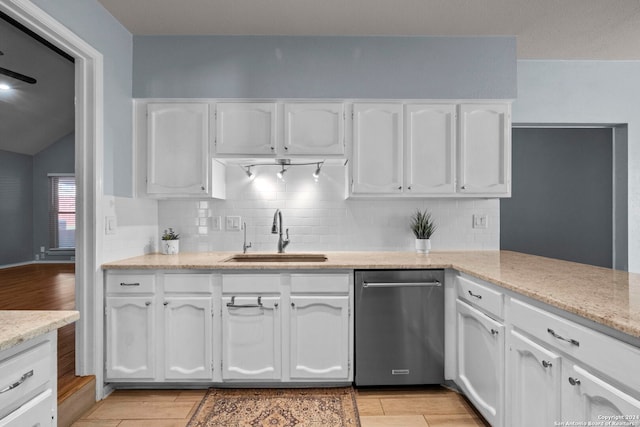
[
  {"x": 17, "y": 326},
  {"x": 608, "y": 297}
]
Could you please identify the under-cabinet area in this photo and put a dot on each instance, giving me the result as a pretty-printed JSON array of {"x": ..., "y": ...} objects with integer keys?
[{"x": 235, "y": 327}]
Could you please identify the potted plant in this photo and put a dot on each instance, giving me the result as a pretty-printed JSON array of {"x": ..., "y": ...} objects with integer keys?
[
  {"x": 423, "y": 227},
  {"x": 170, "y": 242}
]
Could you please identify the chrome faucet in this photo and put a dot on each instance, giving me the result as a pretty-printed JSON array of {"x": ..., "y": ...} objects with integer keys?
[
  {"x": 277, "y": 228},
  {"x": 245, "y": 246}
]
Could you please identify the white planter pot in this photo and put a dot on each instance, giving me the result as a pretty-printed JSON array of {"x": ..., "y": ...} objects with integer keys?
[
  {"x": 170, "y": 247},
  {"x": 423, "y": 246}
]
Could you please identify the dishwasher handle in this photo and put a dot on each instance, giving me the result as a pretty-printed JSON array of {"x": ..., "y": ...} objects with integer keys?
[{"x": 432, "y": 284}]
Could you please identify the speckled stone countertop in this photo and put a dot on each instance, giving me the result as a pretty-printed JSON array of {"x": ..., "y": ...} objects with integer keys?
[
  {"x": 17, "y": 326},
  {"x": 608, "y": 297}
]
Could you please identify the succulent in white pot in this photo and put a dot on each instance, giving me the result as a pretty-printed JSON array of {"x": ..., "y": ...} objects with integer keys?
[
  {"x": 170, "y": 242},
  {"x": 423, "y": 227}
]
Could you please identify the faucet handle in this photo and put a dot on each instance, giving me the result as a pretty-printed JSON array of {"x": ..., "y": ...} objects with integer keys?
[{"x": 285, "y": 242}]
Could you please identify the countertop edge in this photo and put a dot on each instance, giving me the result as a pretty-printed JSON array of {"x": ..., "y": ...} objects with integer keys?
[{"x": 32, "y": 323}]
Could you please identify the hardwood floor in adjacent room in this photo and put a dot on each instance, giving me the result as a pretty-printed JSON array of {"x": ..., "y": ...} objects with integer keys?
[
  {"x": 45, "y": 287},
  {"x": 423, "y": 407}
]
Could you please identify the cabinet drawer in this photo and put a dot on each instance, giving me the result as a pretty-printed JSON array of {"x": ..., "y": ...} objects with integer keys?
[
  {"x": 131, "y": 283},
  {"x": 192, "y": 283},
  {"x": 251, "y": 283},
  {"x": 604, "y": 353},
  {"x": 481, "y": 296},
  {"x": 23, "y": 375},
  {"x": 38, "y": 411},
  {"x": 320, "y": 283}
]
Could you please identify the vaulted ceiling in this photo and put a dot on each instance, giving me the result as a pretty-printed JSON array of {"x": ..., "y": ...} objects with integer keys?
[{"x": 33, "y": 115}]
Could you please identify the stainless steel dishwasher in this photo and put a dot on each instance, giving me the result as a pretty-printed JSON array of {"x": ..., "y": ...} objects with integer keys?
[{"x": 399, "y": 327}]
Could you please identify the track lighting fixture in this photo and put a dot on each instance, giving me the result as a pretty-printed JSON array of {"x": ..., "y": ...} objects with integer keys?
[
  {"x": 316, "y": 174},
  {"x": 280, "y": 174},
  {"x": 250, "y": 174}
]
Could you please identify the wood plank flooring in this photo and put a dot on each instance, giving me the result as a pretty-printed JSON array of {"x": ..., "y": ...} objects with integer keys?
[
  {"x": 45, "y": 287},
  {"x": 423, "y": 407}
]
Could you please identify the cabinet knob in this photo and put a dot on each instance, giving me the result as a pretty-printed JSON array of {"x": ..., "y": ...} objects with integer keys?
[
  {"x": 494, "y": 332},
  {"x": 293, "y": 304},
  {"x": 409, "y": 188},
  {"x": 400, "y": 188},
  {"x": 147, "y": 303},
  {"x": 202, "y": 188},
  {"x": 463, "y": 187},
  {"x": 574, "y": 381},
  {"x": 286, "y": 148},
  {"x": 166, "y": 303},
  {"x": 272, "y": 148},
  {"x": 546, "y": 364},
  {"x": 275, "y": 305}
]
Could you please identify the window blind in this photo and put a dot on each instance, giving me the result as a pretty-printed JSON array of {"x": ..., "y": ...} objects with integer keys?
[{"x": 62, "y": 218}]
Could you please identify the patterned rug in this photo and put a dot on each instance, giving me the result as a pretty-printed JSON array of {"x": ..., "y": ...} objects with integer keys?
[{"x": 304, "y": 407}]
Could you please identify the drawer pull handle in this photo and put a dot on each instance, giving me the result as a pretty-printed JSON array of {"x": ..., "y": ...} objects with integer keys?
[
  {"x": 233, "y": 304},
  {"x": 574, "y": 381},
  {"x": 129, "y": 284},
  {"x": 22, "y": 379},
  {"x": 494, "y": 332},
  {"x": 569, "y": 340},
  {"x": 475, "y": 295},
  {"x": 546, "y": 364}
]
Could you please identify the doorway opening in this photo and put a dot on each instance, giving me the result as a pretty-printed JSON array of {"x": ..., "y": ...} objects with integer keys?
[{"x": 569, "y": 194}]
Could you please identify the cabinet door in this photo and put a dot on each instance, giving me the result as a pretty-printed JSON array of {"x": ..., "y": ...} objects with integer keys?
[
  {"x": 484, "y": 152},
  {"x": 246, "y": 128},
  {"x": 319, "y": 337},
  {"x": 131, "y": 338},
  {"x": 377, "y": 148},
  {"x": 188, "y": 333},
  {"x": 481, "y": 361},
  {"x": 534, "y": 375},
  {"x": 314, "y": 128},
  {"x": 585, "y": 397},
  {"x": 429, "y": 164},
  {"x": 178, "y": 148},
  {"x": 250, "y": 338}
]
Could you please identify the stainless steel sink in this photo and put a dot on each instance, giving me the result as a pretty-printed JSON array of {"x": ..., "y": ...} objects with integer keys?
[{"x": 293, "y": 257}]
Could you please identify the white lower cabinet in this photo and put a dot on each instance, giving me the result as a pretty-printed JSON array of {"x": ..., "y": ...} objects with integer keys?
[
  {"x": 586, "y": 397},
  {"x": 319, "y": 337},
  {"x": 131, "y": 334},
  {"x": 251, "y": 338},
  {"x": 533, "y": 374},
  {"x": 159, "y": 327},
  {"x": 188, "y": 325},
  {"x": 481, "y": 361}
]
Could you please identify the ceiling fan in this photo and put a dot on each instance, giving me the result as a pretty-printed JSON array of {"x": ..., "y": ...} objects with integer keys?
[{"x": 16, "y": 75}]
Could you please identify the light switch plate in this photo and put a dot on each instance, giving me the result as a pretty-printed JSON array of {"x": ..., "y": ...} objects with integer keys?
[
  {"x": 110, "y": 225},
  {"x": 480, "y": 221},
  {"x": 233, "y": 223}
]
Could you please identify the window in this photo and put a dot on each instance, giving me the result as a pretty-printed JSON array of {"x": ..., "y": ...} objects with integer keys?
[{"x": 62, "y": 212}]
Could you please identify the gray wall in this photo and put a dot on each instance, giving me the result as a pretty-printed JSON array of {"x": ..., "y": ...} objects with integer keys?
[
  {"x": 57, "y": 158},
  {"x": 562, "y": 195},
  {"x": 16, "y": 207},
  {"x": 588, "y": 92},
  {"x": 91, "y": 22},
  {"x": 324, "y": 67}
]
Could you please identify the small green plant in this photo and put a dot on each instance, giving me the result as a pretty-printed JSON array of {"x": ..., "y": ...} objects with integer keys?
[
  {"x": 170, "y": 235},
  {"x": 422, "y": 224}
]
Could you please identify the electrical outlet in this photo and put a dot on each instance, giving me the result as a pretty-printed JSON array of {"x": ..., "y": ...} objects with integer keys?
[
  {"x": 41, "y": 249},
  {"x": 480, "y": 221},
  {"x": 233, "y": 223}
]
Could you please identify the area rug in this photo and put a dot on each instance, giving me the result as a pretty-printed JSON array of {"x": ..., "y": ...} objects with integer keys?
[{"x": 304, "y": 407}]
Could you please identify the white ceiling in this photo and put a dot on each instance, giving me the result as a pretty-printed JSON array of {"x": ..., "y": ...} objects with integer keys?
[
  {"x": 545, "y": 29},
  {"x": 34, "y": 116}
]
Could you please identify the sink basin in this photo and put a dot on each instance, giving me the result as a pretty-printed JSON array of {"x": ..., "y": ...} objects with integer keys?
[{"x": 277, "y": 258}]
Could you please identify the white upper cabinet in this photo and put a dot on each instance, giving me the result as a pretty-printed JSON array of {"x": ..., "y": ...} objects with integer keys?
[
  {"x": 314, "y": 128},
  {"x": 484, "y": 149},
  {"x": 246, "y": 128},
  {"x": 429, "y": 166},
  {"x": 178, "y": 156},
  {"x": 377, "y": 148}
]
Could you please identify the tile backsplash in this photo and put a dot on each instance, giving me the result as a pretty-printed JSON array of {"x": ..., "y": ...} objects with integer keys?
[{"x": 319, "y": 218}]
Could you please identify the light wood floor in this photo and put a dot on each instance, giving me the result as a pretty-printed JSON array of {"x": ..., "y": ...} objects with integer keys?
[
  {"x": 424, "y": 407},
  {"x": 45, "y": 287}
]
